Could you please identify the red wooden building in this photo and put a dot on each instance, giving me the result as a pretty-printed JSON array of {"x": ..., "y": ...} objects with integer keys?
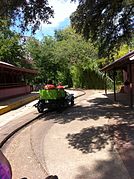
[
  {"x": 126, "y": 65},
  {"x": 13, "y": 80}
]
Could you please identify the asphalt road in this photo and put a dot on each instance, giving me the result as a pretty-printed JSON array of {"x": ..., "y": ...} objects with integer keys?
[{"x": 74, "y": 144}]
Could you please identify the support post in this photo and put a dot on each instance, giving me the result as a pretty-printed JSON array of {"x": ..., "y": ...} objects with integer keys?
[
  {"x": 114, "y": 74},
  {"x": 105, "y": 82},
  {"x": 131, "y": 88}
]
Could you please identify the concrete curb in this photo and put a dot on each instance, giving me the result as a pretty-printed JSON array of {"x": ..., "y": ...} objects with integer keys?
[
  {"x": 17, "y": 104},
  {"x": 2, "y": 142}
]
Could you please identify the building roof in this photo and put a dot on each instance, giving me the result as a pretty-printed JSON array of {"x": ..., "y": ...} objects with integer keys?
[
  {"x": 9, "y": 67},
  {"x": 120, "y": 63}
]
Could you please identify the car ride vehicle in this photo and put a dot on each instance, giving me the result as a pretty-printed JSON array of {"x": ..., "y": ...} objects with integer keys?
[{"x": 54, "y": 99}]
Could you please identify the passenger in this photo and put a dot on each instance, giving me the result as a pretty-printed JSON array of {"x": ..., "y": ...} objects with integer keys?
[
  {"x": 5, "y": 167},
  {"x": 126, "y": 83},
  {"x": 60, "y": 86},
  {"x": 126, "y": 86},
  {"x": 49, "y": 85}
]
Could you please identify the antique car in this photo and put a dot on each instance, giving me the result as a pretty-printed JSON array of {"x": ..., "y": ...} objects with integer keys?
[{"x": 54, "y": 99}]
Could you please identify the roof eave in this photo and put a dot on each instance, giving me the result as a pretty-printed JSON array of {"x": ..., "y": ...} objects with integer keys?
[{"x": 119, "y": 64}]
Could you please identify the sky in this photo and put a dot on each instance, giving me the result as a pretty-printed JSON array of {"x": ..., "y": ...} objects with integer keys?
[{"x": 62, "y": 11}]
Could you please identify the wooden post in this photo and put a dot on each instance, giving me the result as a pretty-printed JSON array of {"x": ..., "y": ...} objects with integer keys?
[
  {"x": 130, "y": 80},
  {"x": 114, "y": 74},
  {"x": 105, "y": 82}
]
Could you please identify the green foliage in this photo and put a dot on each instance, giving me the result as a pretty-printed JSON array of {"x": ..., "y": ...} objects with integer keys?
[
  {"x": 77, "y": 74},
  {"x": 29, "y": 13},
  {"x": 124, "y": 49},
  {"x": 108, "y": 23},
  {"x": 81, "y": 56},
  {"x": 89, "y": 79},
  {"x": 67, "y": 58},
  {"x": 42, "y": 54},
  {"x": 11, "y": 50}
]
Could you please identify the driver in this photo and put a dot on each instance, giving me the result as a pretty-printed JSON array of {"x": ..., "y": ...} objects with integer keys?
[
  {"x": 60, "y": 86},
  {"x": 49, "y": 85}
]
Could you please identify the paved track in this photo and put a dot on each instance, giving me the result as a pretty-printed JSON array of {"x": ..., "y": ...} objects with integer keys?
[{"x": 75, "y": 144}]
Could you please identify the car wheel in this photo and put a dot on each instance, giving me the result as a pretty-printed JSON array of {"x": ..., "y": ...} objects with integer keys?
[
  {"x": 72, "y": 101},
  {"x": 40, "y": 107}
]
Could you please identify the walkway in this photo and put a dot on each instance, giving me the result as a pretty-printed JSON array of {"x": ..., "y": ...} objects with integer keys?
[{"x": 13, "y": 103}]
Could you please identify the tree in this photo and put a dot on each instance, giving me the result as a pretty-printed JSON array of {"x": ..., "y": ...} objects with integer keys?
[
  {"x": 29, "y": 13},
  {"x": 68, "y": 58},
  {"x": 108, "y": 23},
  {"x": 79, "y": 57},
  {"x": 43, "y": 56},
  {"x": 11, "y": 50}
]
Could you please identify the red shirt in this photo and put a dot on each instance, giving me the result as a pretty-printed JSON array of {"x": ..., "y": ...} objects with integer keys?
[
  {"x": 49, "y": 86},
  {"x": 60, "y": 87}
]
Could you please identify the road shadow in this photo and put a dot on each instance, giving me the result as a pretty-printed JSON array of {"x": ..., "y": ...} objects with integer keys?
[
  {"x": 120, "y": 126},
  {"x": 94, "y": 109},
  {"x": 93, "y": 139},
  {"x": 104, "y": 169},
  {"x": 117, "y": 132}
]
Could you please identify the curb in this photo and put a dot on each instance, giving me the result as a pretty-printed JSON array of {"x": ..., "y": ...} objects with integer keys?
[
  {"x": 18, "y": 104},
  {"x": 17, "y": 129}
]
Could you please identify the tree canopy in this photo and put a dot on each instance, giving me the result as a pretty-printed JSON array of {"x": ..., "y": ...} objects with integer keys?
[
  {"x": 108, "y": 23},
  {"x": 66, "y": 57},
  {"x": 11, "y": 50},
  {"x": 28, "y": 13}
]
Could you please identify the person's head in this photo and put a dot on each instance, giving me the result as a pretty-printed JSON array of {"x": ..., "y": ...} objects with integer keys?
[
  {"x": 126, "y": 82},
  {"x": 60, "y": 83},
  {"x": 49, "y": 81}
]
